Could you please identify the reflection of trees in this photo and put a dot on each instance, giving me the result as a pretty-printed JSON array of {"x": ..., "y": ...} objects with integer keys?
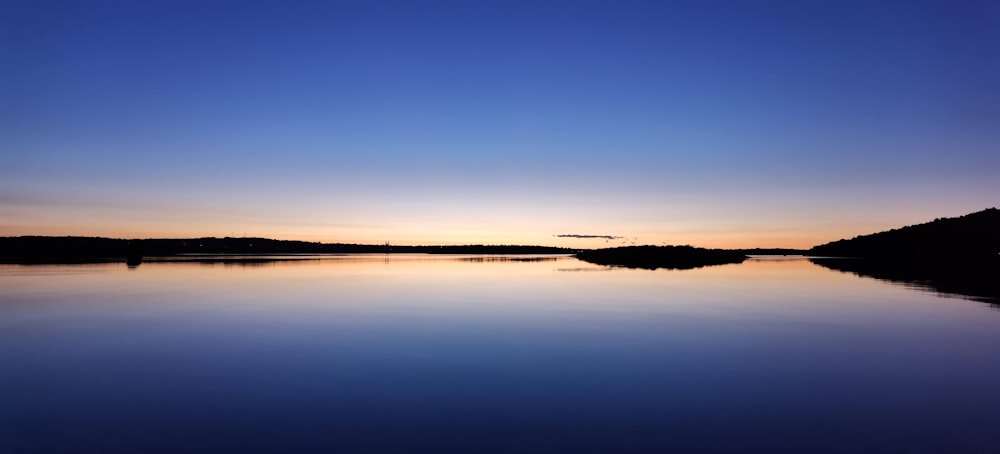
[
  {"x": 587, "y": 269},
  {"x": 509, "y": 259},
  {"x": 973, "y": 281}
]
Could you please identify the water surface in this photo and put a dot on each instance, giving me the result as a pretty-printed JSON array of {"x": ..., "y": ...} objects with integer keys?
[{"x": 442, "y": 353}]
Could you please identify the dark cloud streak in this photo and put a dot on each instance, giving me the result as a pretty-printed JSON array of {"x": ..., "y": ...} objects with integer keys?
[{"x": 603, "y": 237}]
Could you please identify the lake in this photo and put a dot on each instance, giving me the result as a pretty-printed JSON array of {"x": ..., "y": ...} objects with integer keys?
[{"x": 376, "y": 353}]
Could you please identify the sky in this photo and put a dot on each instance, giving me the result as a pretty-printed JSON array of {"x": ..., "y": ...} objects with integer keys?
[{"x": 710, "y": 123}]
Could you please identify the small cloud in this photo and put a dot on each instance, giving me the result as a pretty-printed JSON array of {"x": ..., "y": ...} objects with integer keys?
[{"x": 602, "y": 237}]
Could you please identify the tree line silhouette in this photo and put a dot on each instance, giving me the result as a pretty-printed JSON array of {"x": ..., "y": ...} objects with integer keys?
[
  {"x": 68, "y": 249},
  {"x": 653, "y": 257},
  {"x": 972, "y": 237}
]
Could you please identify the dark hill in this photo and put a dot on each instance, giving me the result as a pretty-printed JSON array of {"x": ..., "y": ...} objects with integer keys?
[
  {"x": 974, "y": 237},
  {"x": 652, "y": 257}
]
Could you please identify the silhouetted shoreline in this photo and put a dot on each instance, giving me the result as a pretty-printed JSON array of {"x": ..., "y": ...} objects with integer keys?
[
  {"x": 69, "y": 249},
  {"x": 974, "y": 237},
  {"x": 670, "y": 257}
]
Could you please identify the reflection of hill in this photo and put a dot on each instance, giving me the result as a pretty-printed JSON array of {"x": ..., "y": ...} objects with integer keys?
[
  {"x": 979, "y": 282},
  {"x": 973, "y": 237},
  {"x": 652, "y": 257}
]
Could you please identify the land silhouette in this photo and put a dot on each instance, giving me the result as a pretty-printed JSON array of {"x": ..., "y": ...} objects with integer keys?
[
  {"x": 71, "y": 249},
  {"x": 653, "y": 257},
  {"x": 958, "y": 255},
  {"x": 973, "y": 237}
]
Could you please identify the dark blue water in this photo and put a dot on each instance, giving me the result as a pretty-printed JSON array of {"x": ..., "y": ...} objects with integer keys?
[{"x": 410, "y": 353}]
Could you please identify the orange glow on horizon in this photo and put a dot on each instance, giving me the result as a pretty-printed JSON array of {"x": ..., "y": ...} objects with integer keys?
[
  {"x": 701, "y": 229},
  {"x": 797, "y": 240}
]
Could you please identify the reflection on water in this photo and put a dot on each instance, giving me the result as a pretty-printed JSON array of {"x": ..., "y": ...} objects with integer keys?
[
  {"x": 439, "y": 353},
  {"x": 587, "y": 268},
  {"x": 489, "y": 258},
  {"x": 977, "y": 282}
]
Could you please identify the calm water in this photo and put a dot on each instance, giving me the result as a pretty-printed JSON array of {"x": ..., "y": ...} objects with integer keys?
[{"x": 431, "y": 353}]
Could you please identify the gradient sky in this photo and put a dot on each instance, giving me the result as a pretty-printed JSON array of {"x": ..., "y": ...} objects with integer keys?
[{"x": 717, "y": 124}]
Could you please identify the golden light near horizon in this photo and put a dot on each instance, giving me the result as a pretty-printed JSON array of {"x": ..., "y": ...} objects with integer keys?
[{"x": 711, "y": 233}]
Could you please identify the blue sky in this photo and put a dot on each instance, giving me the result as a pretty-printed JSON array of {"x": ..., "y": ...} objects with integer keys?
[{"x": 729, "y": 124}]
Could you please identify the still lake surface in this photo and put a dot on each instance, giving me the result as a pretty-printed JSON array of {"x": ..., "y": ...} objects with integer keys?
[{"x": 379, "y": 353}]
